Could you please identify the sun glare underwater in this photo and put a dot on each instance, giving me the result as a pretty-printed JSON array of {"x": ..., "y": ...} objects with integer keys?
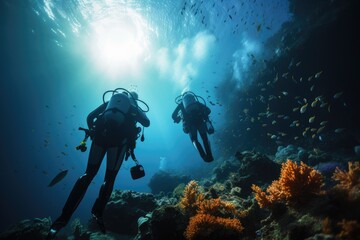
[{"x": 277, "y": 76}]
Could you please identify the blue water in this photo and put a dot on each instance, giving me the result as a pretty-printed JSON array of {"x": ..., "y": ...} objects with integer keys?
[{"x": 58, "y": 57}]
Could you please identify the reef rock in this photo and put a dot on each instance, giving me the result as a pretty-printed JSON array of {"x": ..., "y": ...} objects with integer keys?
[
  {"x": 292, "y": 152},
  {"x": 254, "y": 168},
  {"x": 166, "y": 222},
  {"x": 125, "y": 208},
  {"x": 28, "y": 229},
  {"x": 165, "y": 182}
]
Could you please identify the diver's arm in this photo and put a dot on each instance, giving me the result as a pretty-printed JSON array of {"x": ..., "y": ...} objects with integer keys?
[
  {"x": 175, "y": 115},
  {"x": 94, "y": 114},
  {"x": 141, "y": 117}
]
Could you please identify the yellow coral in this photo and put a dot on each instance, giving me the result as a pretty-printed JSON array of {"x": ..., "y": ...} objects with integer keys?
[
  {"x": 206, "y": 226},
  {"x": 296, "y": 182}
]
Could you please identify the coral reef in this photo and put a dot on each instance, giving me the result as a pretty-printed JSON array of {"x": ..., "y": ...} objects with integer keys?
[
  {"x": 124, "y": 209},
  {"x": 206, "y": 226},
  {"x": 349, "y": 181},
  {"x": 252, "y": 168},
  {"x": 210, "y": 218},
  {"x": 296, "y": 184},
  {"x": 28, "y": 229}
]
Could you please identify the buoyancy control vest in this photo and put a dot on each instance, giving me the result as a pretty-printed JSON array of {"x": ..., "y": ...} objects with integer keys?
[{"x": 114, "y": 123}]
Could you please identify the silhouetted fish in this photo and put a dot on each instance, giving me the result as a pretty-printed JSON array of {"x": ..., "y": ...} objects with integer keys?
[{"x": 58, "y": 178}]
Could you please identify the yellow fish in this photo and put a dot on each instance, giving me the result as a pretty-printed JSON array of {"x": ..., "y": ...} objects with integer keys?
[
  {"x": 323, "y": 123},
  {"x": 312, "y": 119},
  {"x": 303, "y": 108},
  {"x": 337, "y": 95},
  {"x": 320, "y": 130},
  {"x": 314, "y": 103},
  {"x": 317, "y": 75}
]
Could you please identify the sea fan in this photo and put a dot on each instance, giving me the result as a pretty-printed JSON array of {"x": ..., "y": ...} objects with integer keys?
[
  {"x": 206, "y": 226},
  {"x": 349, "y": 181},
  {"x": 209, "y": 218},
  {"x": 296, "y": 183}
]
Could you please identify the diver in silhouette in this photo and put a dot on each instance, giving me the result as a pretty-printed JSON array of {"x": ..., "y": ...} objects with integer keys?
[
  {"x": 113, "y": 130},
  {"x": 195, "y": 118}
]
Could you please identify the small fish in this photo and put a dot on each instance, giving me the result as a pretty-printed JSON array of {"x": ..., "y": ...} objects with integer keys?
[
  {"x": 295, "y": 109},
  {"x": 323, "y": 104},
  {"x": 314, "y": 103},
  {"x": 258, "y": 28},
  {"x": 264, "y": 125},
  {"x": 337, "y": 95},
  {"x": 310, "y": 78},
  {"x": 339, "y": 130},
  {"x": 298, "y": 63},
  {"x": 273, "y": 122},
  {"x": 317, "y": 75},
  {"x": 313, "y": 136},
  {"x": 285, "y": 93},
  {"x": 323, "y": 123},
  {"x": 282, "y": 134},
  {"x": 329, "y": 108},
  {"x": 273, "y": 136},
  {"x": 276, "y": 78},
  {"x": 312, "y": 88},
  {"x": 312, "y": 119},
  {"x": 248, "y": 129},
  {"x": 303, "y": 108},
  {"x": 58, "y": 178},
  {"x": 320, "y": 130},
  {"x": 285, "y": 75},
  {"x": 296, "y": 138}
]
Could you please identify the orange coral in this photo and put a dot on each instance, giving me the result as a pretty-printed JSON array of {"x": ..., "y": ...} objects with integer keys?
[
  {"x": 350, "y": 229},
  {"x": 192, "y": 196},
  {"x": 209, "y": 216},
  {"x": 206, "y": 226},
  {"x": 349, "y": 181},
  {"x": 296, "y": 182}
]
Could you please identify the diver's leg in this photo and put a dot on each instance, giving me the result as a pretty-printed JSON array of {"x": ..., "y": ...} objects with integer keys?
[
  {"x": 206, "y": 142},
  {"x": 115, "y": 157},
  {"x": 195, "y": 142},
  {"x": 95, "y": 157}
]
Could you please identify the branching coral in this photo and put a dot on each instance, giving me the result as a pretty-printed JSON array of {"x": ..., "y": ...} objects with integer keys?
[
  {"x": 206, "y": 226},
  {"x": 349, "y": 181},
  {"x": 296, "y": 183},
  {"x": 209, "y": 217},
  {"x": 350, "y": 229},
  {"x": 191, "y": 199}
]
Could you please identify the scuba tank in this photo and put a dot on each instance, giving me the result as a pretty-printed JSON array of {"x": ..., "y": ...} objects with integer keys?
[
  {"x": 189, "y": 102},
  {"x": 117, "y": 108}
]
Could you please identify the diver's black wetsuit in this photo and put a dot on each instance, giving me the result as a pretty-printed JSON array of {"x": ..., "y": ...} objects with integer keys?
[
  {"x": 195, "y": 122},
  {"x": 115, "y": 155}
]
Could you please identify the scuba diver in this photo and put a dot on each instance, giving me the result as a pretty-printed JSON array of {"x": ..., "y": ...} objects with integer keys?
[
  {"x": 113, "y": 131},
  {"x": 195, "y": 118}
]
